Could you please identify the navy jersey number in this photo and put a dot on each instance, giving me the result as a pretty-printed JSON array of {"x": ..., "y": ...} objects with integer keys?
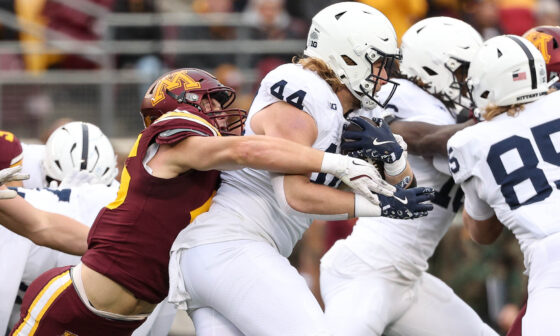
[
  {"x": 443, "y": 198},
  {"x": 321, "y": 177},
  {"x": 528, "y": 171},
  {"x": 295, "y": 99}
]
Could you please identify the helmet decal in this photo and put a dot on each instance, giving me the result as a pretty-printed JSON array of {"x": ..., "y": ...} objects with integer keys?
[{"x": 173, "y": 81}]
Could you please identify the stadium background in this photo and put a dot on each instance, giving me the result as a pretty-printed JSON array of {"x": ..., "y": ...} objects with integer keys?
[{"x": 92, "y": 60}]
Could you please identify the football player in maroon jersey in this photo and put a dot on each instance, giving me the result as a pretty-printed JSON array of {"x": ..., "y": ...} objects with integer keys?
[{"x": 169, "y": 178}]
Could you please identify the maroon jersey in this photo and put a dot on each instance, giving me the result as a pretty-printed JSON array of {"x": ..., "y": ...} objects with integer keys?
[
  {"x": 130, "y": 239},
  {"x": 10, "y": 147}
]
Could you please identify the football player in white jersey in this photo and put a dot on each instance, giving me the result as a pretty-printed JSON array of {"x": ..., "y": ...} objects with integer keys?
[
  {"x": 381, "y": 267},
  {"x": 509, "y": 168},
  {"x": 375, "y": 281},
  {"x": 92, "y": 187},
  {"x": 79, "y": 159},
  {"x": 229, "y": 267}
]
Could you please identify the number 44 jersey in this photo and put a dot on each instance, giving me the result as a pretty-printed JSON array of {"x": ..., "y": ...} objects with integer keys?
[
  {"x": 245, "y": 206},
  {"x": 513, "y": 165}
]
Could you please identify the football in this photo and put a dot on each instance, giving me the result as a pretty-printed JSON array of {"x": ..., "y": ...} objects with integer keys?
[{"x": 357, "y": 128}]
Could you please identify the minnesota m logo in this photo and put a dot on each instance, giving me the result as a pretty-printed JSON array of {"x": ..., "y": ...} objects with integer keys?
[
  {"x": 172, "y": 82},
  {"x": 540, "y": 40}
]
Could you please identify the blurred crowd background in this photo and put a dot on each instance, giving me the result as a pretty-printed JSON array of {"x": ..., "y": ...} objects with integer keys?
[{"x": 92, "y": 60}]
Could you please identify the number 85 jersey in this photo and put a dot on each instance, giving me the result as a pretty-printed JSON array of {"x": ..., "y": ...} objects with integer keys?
[{"x": 512, "y": 164}]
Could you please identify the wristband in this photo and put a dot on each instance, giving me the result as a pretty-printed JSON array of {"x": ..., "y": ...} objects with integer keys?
[
  {"x": 364, "y": 208},
  {"x": 332, "y": 164},
  {"x": 397, "y": 167}
]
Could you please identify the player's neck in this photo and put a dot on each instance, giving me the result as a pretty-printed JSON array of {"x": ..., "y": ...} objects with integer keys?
[{"x": 347, "y": 100}]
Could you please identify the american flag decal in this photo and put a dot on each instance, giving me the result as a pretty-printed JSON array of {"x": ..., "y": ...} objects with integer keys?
[{"x": 519, "y": 76}]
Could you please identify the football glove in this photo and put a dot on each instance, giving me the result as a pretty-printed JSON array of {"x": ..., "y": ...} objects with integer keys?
[
  {"x": 8, "y": 175},
  {"x": 357, "y": 174},
  {"x": 370, "y": 139},
  {"x": 407, "y": 203}
]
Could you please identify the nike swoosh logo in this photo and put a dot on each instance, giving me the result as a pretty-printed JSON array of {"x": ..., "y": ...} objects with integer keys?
[
  {"x": 357, "y": 163},
  {"x": 377, "y": 143},
  {"x": 403, "y": 201}
]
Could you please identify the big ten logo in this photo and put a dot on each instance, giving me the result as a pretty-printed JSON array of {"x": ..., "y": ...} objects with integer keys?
[
  {"x": 313, "y": 44},
  {"x": 171, "y": 82},
  {"x": 9, "y": 136}
]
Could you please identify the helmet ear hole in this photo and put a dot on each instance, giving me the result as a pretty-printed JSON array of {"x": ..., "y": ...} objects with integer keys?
[
  {"x": 348, "y": 60},
  {"x": 485, "y": 94},
  {"x": 429, "y": 71}
]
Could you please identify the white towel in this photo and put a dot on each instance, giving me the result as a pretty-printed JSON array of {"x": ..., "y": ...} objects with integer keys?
[{"x": 177, "y": 292}]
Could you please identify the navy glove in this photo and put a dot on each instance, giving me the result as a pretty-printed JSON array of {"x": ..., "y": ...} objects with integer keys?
[
  {"x": 370, "y": 139},
  {"x": 407, "y": 203}
]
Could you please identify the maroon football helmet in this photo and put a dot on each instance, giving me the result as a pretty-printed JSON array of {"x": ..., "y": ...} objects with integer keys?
[
  {"x": 186, "y": 89},
  {"x": 547, "y": 40}
]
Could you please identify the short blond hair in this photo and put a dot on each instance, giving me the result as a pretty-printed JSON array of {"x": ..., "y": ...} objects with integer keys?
[
  {"x": 322, "y": 69},
  {"x": 492, "y": 111}
]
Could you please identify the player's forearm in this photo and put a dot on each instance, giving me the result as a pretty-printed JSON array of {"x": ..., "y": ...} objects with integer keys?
[
  {"x": 63, "y": 234},
  {"x": 436, "y": 142},
  {"x": 267, "y": 153},
  {"x": 403, "y": 179},
  {"x": 307, "y": 197},
  {"x": 43, "y": 228},
  {"x": 426, "y": 139},
  {"x": 482, "y": 231}
]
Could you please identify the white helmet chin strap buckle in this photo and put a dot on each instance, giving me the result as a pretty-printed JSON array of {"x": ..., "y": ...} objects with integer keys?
[{"x": 367, "y": 103}]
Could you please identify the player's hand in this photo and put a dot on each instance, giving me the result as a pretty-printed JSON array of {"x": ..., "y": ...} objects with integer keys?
[
  {"x": 78, "y": 178},
  {"x": 364, "y": 179},
  {"x": 370, "y": 139},
  {"x": 407, "y": 203},
  {"x": 8, "y": 175}
]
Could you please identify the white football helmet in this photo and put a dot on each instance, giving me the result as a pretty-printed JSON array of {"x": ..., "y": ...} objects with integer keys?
[
  {"x": 350, "y": 37},
  {"x": 434, "y": 49},
  {"x": 79, "y": 146},
  {"x": 507, "y": 70}
]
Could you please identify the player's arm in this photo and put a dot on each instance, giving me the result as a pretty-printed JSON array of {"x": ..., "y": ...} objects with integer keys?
[
  {"x": 281, "y": 120},
  {"x": 268, "y": 153},
  {"x": 424, "y": 138},
  {"x": 484, "y": 231},
  {"x": 43, "y": 228},
  {"x": 296, "y": 193}
]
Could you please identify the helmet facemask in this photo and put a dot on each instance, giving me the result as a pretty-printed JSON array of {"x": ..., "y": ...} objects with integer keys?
[
  {"x": 227, "y": 121},
  {"x": 458, "y": 91},
  {"x": 370, "y": 85}
]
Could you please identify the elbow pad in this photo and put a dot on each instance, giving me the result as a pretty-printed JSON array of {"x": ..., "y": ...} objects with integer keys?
[{"x": 277, "y": 181}]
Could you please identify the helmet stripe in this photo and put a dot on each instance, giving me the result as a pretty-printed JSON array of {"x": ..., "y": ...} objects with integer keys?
[
  {"x": 531, "y": 60},
  {"x": 85, "y": 145}
]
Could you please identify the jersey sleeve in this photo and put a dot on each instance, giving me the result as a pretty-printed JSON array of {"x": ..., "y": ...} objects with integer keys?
[
  {"x": 463, "y": 152},
  {"x": 475, "y": 207},
  {"x": 175, "y": 126}
]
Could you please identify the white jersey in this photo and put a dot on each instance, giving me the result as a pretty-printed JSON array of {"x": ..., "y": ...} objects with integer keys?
[
  {"x": 245, "y": 206},
  {"x": 32, "y": 164},
  {"x": 514, "y": 166},
  {"x": 407, "y": 244},
  {"x": 21, "y": 261}
]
